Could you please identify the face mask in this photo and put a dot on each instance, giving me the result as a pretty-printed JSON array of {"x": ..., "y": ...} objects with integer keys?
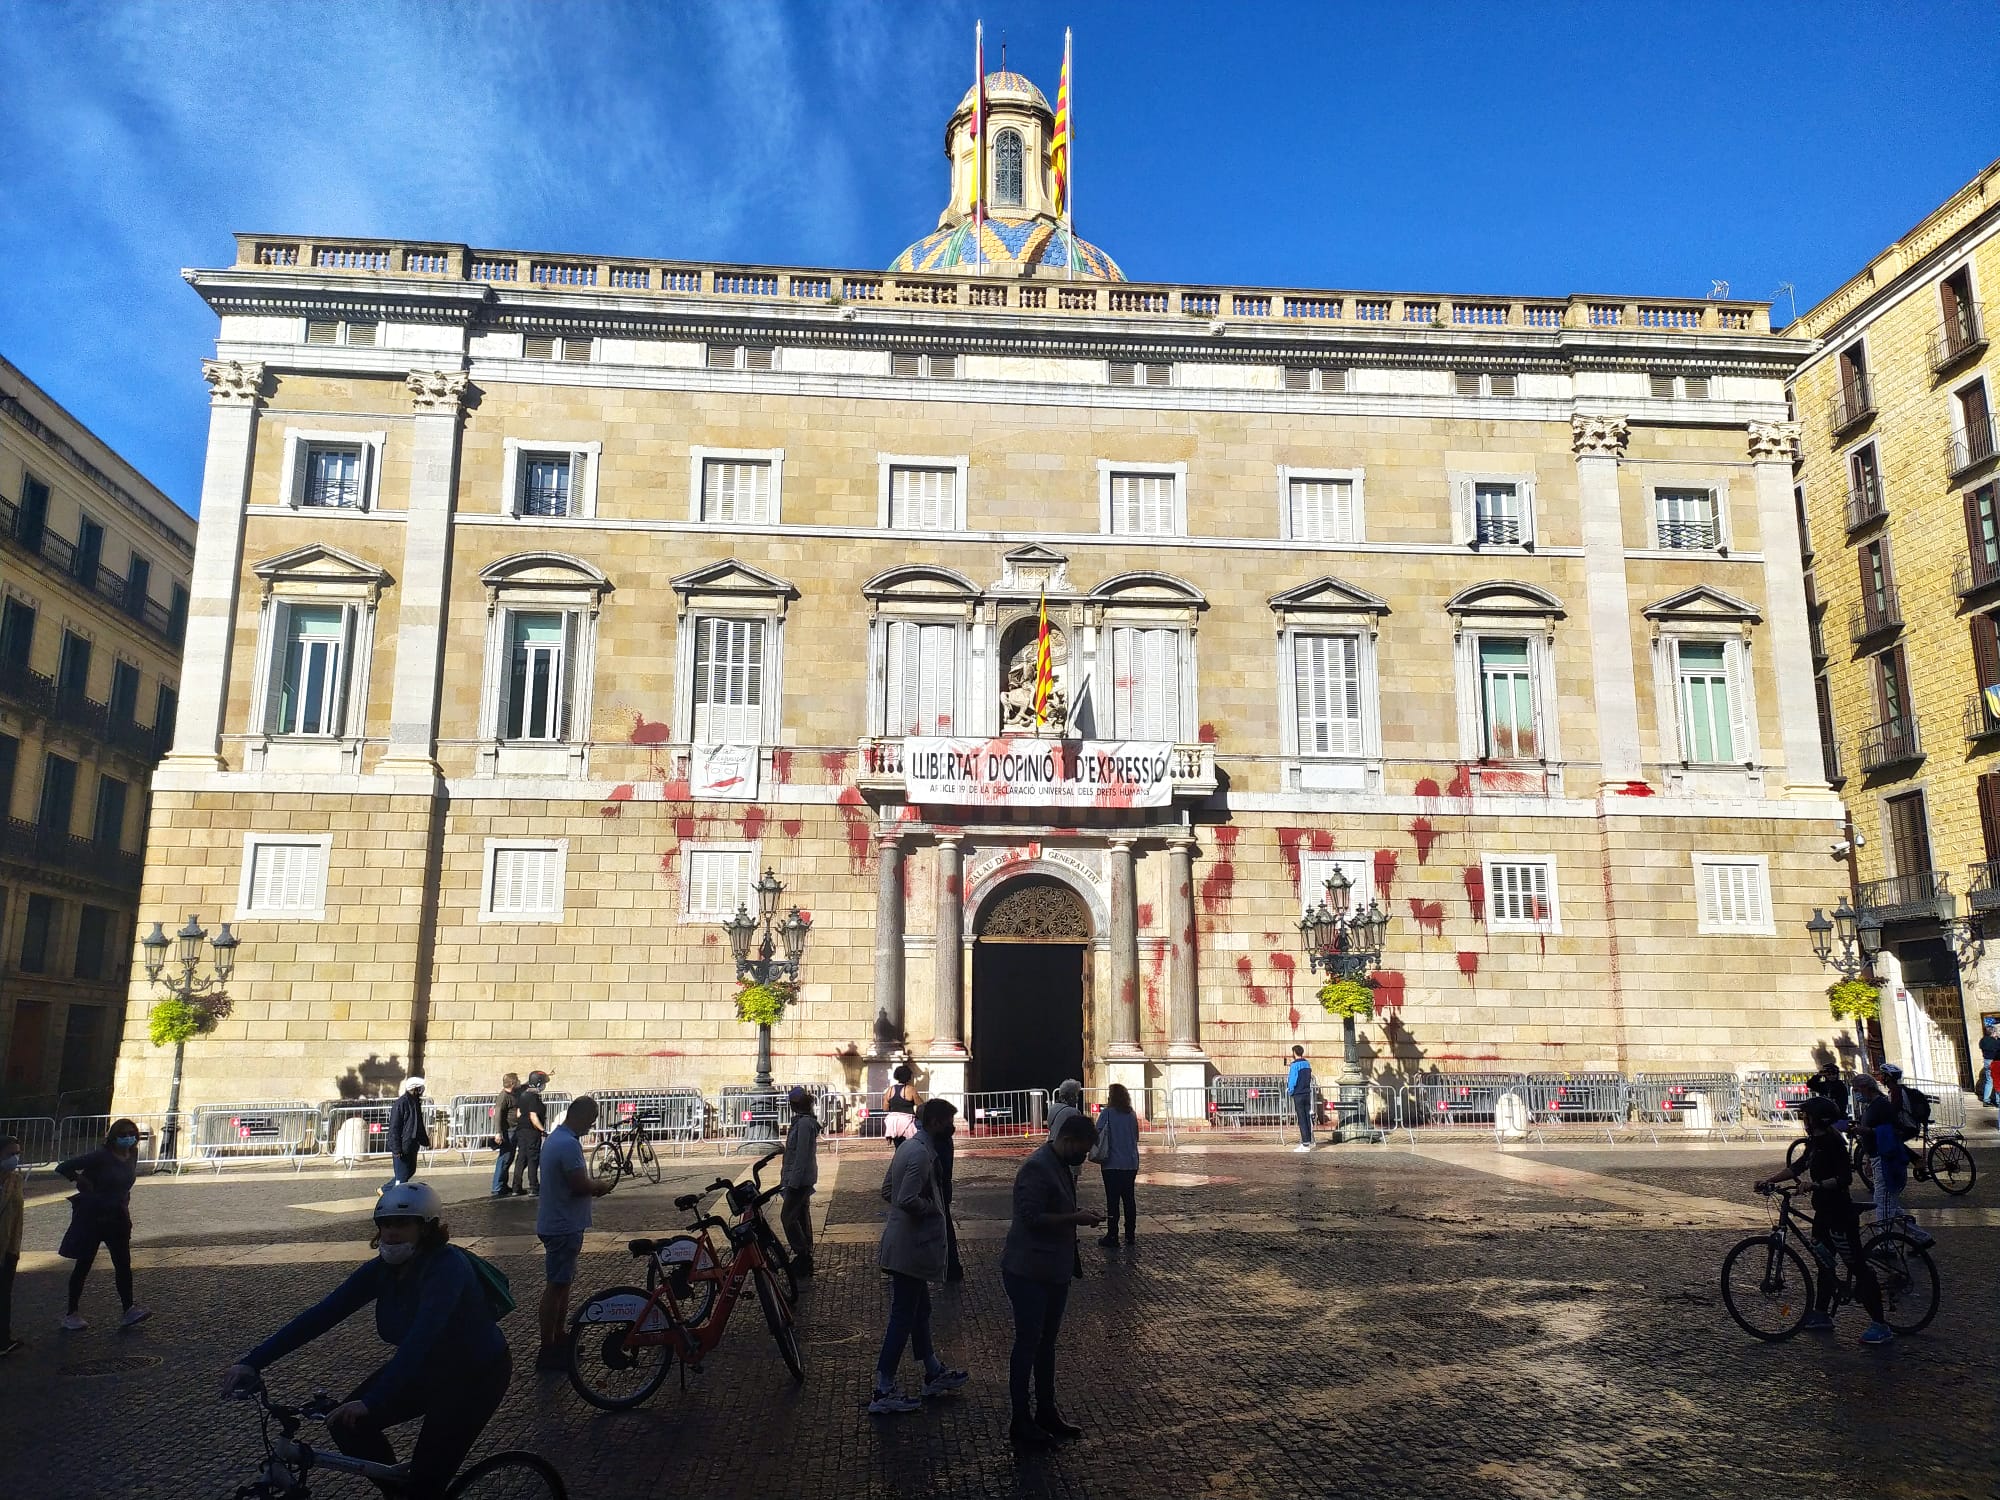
[
  {"x": 396, "y": 1255},
  {"x": 125, "y": 1142},
  {"x": 9, "y": 1163}
]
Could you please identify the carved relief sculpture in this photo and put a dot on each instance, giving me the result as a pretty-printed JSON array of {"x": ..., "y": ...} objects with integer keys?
[
  {"x": 233, "y": 382},
  {"x": 437, "y": 390},
  {"x": 1017, "y": 695},
  {"x": 1044, "y": 912},
  {"x": 1599, "y": 435},
  {"x": 1773, "y": 442}
]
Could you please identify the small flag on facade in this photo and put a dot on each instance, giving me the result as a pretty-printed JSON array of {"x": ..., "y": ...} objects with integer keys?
[
  {"x": 1993, "y": 701},
  {"x": 1045, "y": 674}
]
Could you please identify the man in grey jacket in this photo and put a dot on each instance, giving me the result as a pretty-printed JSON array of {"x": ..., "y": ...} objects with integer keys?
[
  {"x": 1035, "y": 1267},
  {"x": 913, "y": 1256},
  {"x": 799, "y": 1178}
]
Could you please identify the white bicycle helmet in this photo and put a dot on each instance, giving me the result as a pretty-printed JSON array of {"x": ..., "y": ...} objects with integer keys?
[
  {"x": 408, "y": 1200},
  {"x": 1890, "y": 1071}
]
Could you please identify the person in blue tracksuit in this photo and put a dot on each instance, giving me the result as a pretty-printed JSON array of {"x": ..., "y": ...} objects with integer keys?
[{"x": 1299, "y": 1089}]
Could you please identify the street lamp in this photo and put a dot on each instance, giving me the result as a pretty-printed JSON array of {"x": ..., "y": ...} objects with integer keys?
[
  {"x": 186, "y": 985},
  {"x": 1345, "y": 943},
  {"x": 763, "y": 967},
  {"x": 1845, "y": 946}
]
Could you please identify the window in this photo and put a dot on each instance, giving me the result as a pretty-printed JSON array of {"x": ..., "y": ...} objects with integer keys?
[
  {"x": 545, "y": 486},
  {"x": 1483, "y": 382},
  {"x": 1327, "y": 671},
  {"x": 73, "y": 669},
  {"x": 1507, "y": 699},
  {"x": 1852, "y": 400},
  {"x": 739, "y": 490},
  {"x": 36, "y": 923},
  {"x": 89, "y": 554},
  {"x": 166, "y": 708},
  {"x": 904, "y": 363},
  {"x": 1829, "y": 741},
  {"x": 1909, "y": 836},
  {"x": 1890, "y": 687},
  {"x": 58, "y": 794},
  {"x": 1315, "y": 868},
  {"x": 1521, "y": 894},
  {"x": 539, "y": 646},
  {"x": 524, "y": 881},
  {"x": 1322, "y": 507},
  {"x": 138, "y": 583},
  {"x": 728, "y": 681},
  {"x": 720, "y": 878},
  {"x": 93, "y": 944},
  {"x": 1960, "y": 329},
  {"x": 1666, "y": 387},
  {"x": 1878, "y": 587},
  {"x": 1732, "y": 894},
  {"x": 1130, "y": 372},
  {"x": 923, "y": 499},
  {"x": 1687, "y": 520},
  {"x": 332, "y": 470},
  {"x": 1982, "y": 533},
  {"x": 741, "y": 357},
  {"x": 1007, "y": 169},
  {"x": 309, "y": 669},
  {"x": 33, "y": 518},
  {"x": 124, "y": 703},
  {"x": 1496, "y": 515},
  {"x": 1330, "y": 378},
  {"x": 548, "y": 480},
  {"x": 1142, "y": 503},
  {"x": 1146, "y": 683},
  {"x": 284, "y": 876},
  {"x": 1985, "y": 655},
  {"x": 177, "y": 614},
  {"x": 919, "y": 671},
  {"x": 354, "y": 334},
  {"x": 1711, "y": 733},
  {"x": 1974, "y": 442},
  {"x": 571, "y": 349},
  {"x": 1989, "y": 815},
  {"x": 1864, "y": 486},
  {"x": 10, "y": 761},
  {"x": 17, "y": 632},
  {"x": 108, "y": 825},
  {"x": 333, "y": 477}
]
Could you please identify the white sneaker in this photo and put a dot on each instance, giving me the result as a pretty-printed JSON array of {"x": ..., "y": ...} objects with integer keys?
[
  {"x": 134, "y": 1315},
  {"x": 74, "y": 1323},
  {"x": 1302, "y": 1147}
]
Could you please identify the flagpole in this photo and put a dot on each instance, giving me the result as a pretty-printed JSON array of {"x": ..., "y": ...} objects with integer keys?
[
  {"x": 1069, "y": 159},
  {"x": 979, "y": 144}
]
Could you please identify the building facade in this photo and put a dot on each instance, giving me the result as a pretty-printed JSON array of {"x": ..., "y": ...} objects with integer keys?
[
  {"x": 94, "y": 567},
  {"x": 1900, "y": 500},
  {"x": 542, "y": 601}
]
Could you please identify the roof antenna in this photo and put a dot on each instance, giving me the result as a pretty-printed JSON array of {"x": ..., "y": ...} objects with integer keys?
[
  {"x": 1792, "y": 293},
  {"x": 1003, "y": 51}
]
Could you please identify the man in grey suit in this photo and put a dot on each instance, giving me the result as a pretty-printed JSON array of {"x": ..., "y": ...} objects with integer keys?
[{"x": 1035, "y": 1267}]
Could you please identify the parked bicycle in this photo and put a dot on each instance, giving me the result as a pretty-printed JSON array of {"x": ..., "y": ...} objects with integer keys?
[
  {"x": 282, "y": 1473},
  {"x": 1767, "y": 1285},
  {"x": 623, "y": 1338},
  {"x": 1935, "y": 1156},
  {"x": 625, "y": 1152}
]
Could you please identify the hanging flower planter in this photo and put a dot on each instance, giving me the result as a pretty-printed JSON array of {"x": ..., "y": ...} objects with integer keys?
[
  {"x": 1351, "y": 999},
  {"x": 173, "y": 1021},
  {"x": 764, "y": 1004},
  {"x": 1854, "y": 1000}
]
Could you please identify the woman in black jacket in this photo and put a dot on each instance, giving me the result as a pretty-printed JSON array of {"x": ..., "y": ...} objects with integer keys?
[
  {"x": 101, "y": 1214},
  {"x": 407, "y": 1132}
]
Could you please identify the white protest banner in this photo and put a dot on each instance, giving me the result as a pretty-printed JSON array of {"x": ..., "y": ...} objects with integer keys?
[
  {"x": 1028, "y": 772},
  {"x": 723, "y": 773}
]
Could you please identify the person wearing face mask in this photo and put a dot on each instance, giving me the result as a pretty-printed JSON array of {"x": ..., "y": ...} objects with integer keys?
[
  {"x": 407, "y": 1133},
  {"x": 12, "y": 1211},
  {"x": 101, "y": 1214},
  {"x": 451, "y": 1367}
]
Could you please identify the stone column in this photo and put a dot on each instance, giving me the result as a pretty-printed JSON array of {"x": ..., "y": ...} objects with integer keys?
[
  {"x": 1599, "y": 443},
  {"x": 948, "y": 1002},
  {"x": 236, "y": 392},
  {"x": 1125, "y": 1060},
  {"x": 1187, "y": 1064},
  {"x": 1788, "y": 640},
  {"x": 438, "y": 397},
  {"x": 889, "y": 1028}
]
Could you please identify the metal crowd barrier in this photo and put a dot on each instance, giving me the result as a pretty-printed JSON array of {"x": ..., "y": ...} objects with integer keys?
[
  {"x": 470, "y": 1120},
  {"x": 1456, "y": 1101},
  {"x": 745, "y": 1111},
  {"x": 1257, "y": 1101},
  {"x": 37, "y": 1135},
  {"x": 1695, "y": 1102},
  {"x": 1947, "y": 1102},
  {"x": 1017, "y": 1112},
  {"x": 1597, "y": 1100},
  {"x": 76, "y": 1134},
  {"x": 1154, "y": 1107},
  {"x": 270, "y": 1130},
  {"x": 676, "y": 1116},
  {"x": 1775, "y": 1097}
]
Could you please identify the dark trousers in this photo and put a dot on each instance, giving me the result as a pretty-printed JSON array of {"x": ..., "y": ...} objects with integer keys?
[
  {"x": 1038, "y": 1312},
  {"x": 796, "y": 1219},
  {"x": 1121, "y": 1190},
  {"x": 1302, "y": 1105},
  {"x": 119, "y": 1242},
  {"x": 502, "y": 1160},
  {"x": 528, "y": 1160},
  {"x": 909, "y": 1323},
  {"x": 8, "y": 1265},
  {"x": 403, "y": 1165},
  {"x": 1843, "y": 1238},
  {"x": 454, "y": 1412}
]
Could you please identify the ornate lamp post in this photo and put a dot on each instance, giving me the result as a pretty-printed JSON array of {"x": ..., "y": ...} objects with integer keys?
[
  {"x": 186, "y": 985},
  {"x": 762, "y": 968},
  {"x": 1345, "y": 944},
  {"x": 1846, "y": 948}
]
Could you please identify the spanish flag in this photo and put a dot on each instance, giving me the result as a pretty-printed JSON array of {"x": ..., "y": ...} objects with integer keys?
[
  {"x": 1045, "y": 672},
  {"x": 1059, "y": 142}
]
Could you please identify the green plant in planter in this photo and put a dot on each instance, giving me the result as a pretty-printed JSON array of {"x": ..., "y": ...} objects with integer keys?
[
  {"x": 1350, "y": 999},
  {"x": 1854, "y": 1000},
  {"x": 173, "y": 1021},
  {"x": 764, "y": 1004}
]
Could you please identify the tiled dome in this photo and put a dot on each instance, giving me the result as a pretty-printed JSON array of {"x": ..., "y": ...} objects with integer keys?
[
  {"x": 1009, "y": 245},
  {"x": 1008, "y": 86}
]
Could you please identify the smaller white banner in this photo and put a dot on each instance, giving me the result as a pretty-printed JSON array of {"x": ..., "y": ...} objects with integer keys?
[
  {"x": 723, "y": 773},
  {"x": 1039, "y": 772}
]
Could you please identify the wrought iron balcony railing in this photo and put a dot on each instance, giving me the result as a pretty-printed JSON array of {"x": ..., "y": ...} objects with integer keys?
[
  {"x": 1959, "y": 336},
  {"x": 1976, "y": 445},
  {"x": 1892, "y": 743},
  {"x": 1975, "y": 572},
  {"x": 60, "y": 553},
  {"x": 1921, "y": 895},
  {"x": 1850, "y": 405},
  {"x": 1864, "y": 506},
  {"x": 1874, "y": 615},
  {"x": 1980, "y": 720},
  {"x": 1983, "y": 893},
  {"x": 35, "y": 843}
]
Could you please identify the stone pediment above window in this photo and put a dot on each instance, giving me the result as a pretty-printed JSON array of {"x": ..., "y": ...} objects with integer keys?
[
  {"x": 1033, "y": 569},
  {"x": 1504, "y": 596},
  {"x": 1702, "y": 604},
  {"x": 547, "y": 577},
  {"x": 732, "y": 584},
  {"x": 923, "y": 582},
  {"x": 1148, "y": 588},
  {"x": 317, "y": 568},
  {"x": 1328, "y": 596}
]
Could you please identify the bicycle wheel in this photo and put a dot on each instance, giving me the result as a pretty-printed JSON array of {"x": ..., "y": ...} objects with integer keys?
[
  {"x": 1766, "y": 1287},
  {"x": 1864, "y": 1168},
  {"x": 780, "y": 1260},
  {"x": 1796, "y": 1152},
  {"x": 1909, "y": 1281},
  {"x": 778, "y": 1318},
  {"x": 513, "y": 1475},
  {"x": 606, "y": 1163},
  {"x": 1952, "y": 1167},
  {"x": 606, "y": 1371},
  {"x": 649, "y": 1162}
]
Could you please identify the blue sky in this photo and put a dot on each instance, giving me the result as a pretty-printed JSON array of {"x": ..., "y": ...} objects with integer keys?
[{"x": 1499, "y": 147}]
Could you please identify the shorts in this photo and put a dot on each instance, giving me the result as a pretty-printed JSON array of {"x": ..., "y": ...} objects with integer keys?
[{"x": 559, "y": 1253}]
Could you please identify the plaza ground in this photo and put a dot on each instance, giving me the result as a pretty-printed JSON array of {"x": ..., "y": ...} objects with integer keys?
[{"x": 1412, "y": 1319}]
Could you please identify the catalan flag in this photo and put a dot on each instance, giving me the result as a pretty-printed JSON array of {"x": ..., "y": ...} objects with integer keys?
[
  {"x": 1045, "y": 671},
  {"x": 979, "y": 130},
  {"x": 1059, "y": 142}
]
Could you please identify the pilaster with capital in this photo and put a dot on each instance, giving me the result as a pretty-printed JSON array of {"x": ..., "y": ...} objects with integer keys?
[
  {"x": 1124, "y": 954},
  {"x": 890, "y": 1034},
  {"x": 1598, "y": 440},
  {"x": 1788, "y": 637},
  {"x": 236, "y": 395},
  {"x": 948, "y": 978}
]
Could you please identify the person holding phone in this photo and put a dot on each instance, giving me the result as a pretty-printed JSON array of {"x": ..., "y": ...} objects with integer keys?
[{"x": 1035, "y": 1268}]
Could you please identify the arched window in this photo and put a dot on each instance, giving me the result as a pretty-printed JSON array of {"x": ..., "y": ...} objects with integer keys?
[{"x": 1007, "y": 169}]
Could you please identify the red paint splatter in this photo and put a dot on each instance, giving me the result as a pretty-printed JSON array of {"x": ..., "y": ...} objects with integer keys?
[
  {"x": 854, "y": 814},
  {"x": 1245, "y": 972},
  {"x": 709, "y": 940},
  {"x": 834, "y": 763},
  {"x": 753, "y": 821},
  {"x": 667, "y": 861},
  {"x": 1289, "y": 840},
  {"x": 622, "y": 792},
  {"x": 1468, "y": 963},
  {"x": 676, "y": 791},
  {"x": 1145, "y": 915},
  {"x": 650, "y": 734},
  {"x": 781, "y": 766},
  {"x": 1427, "y": 788},
  {"x": 1385, "y": 873},
  {"x": 790, "y": 827},
  {"x": 1293, "y": 1015},
  {"x": 1153, "y": 1001},
  {"x": 1461, "y": 784},
  {"x": 1288, "y": 966},
  {"x": 1428, "y": 915},
  {"x": 1474, "y": 877},
  {"x": 1490, "y": 1056},
  {"x": 1424, "y": 837},
  {"x": 684, "y": 828},
  {"x": 1219, "y": 884},
  {"x": 1635, "y": 789},
  {"x": 1206, "y": 734},
  {"x": 1517, "y": 783},
  {"x": 1388, "y": 990},
  {"x": 952, "y": 887},
  {"x": 611, "y": 810}
]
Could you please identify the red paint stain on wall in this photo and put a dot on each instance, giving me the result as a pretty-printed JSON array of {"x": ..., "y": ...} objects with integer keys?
[
  {"x": 684, "y": 828},
  {"x": 1388, "y": 990},
  {"x": 1468, "y": 963},
  {"x": 1428, "y": 915},
  {"x": 1206, "y": 734},
  {"x": 622, "y": 792},
  {"x": 1294, "y": 1017},
  {"x": 650, "y": 734},
  {"x": 1289, "y": 840},
  {"x": 1474, "y": 877},
  {"x": 1288, "y": 966},
  {"x": 1219, "y": 884},
  {"x": 860, "y": 837},
  {"x": 790, "y": 827},
  {"x": 1153, "y": 1003},
  {"x": 1247, "y": 974},
  {"x": 1461, "y": 783},
  {"x": 676, "y": 791},
  {"x": 834, "y": 763},
  {"x": 952, "y": 886},
  {"x": 709, "y": 940},
  {"x": 1491, "y": 1056},
  {"x": 611, "y": 810},
  {"x": 753, "y": 821},
  {"x": 1385, "y": 872},
  {"x": 1424, "y": 837},
  {"x": 1427, "y": 788},
  {"x": 781, "y": 766},
  {"x": 1145, "y": 915}
]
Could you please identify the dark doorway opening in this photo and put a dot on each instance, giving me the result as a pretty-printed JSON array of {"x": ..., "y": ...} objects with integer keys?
[{"x": 1027, "y": 1015}]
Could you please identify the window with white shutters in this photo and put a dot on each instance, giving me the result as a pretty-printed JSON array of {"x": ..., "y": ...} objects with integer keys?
[
  {"x": 309, "y": 668},
  {"x": 1710, "y": 731},
  {"x": 919, "y": 664},
  {"x": 1732, "y": 895},
  {"x": 1686, "y": 520},
  {"x": 1142, "y": 504},
  {"x": 728, "y": 681},
  {"x": 525, "y": 880},
  {"x": 719, "y": 879},
  {"x": 539, "y": 649},
  {"x": 736, "y": 490},
  {"x": 333, "y": 477},
  {"x": 1520, "y": 893},
  {"x": 923, "y": 499},
  {"x": 283, "y": 877},
  {"x": 1327, "y": 672},
  {"x": 1323, "y": 510},
  {"x": 1146, "y": 683}
]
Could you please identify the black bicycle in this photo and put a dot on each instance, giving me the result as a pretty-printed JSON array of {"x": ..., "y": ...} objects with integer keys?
[
  {"x": 512, "y": 1475},
  {"x": 1767, "y": 1285},
  {"x": 625, "y": 1152},
  {"x": 1935, "y": 1156}
]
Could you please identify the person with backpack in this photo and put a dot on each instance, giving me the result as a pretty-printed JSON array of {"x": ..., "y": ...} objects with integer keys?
[
  {"x": 1900, "y": 1118},
  {"x": 440, "y": 1307},
  {"x": 1299, "y": 1089},
  {"x": 506, "y": 1112},
  {"x": 1836, "y": 1226}
]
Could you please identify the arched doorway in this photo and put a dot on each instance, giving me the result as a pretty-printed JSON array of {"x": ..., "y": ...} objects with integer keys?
[{"x": 1030, "y": 973}]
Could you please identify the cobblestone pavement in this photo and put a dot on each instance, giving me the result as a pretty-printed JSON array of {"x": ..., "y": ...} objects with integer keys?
[{"x": 1364, "y": 1321}]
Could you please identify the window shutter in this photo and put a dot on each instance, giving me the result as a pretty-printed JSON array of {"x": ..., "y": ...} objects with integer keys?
[
  {"x": 538, "y": 346},
  {"x": 274, "y": 668},
  {"x": 1989, "y": 813},
  {"x": 1461, "y": 512},
  {"x": 944, "y": 367},
  {"x": 1298, "y": 378},
  {"x": 1333, "y": 379},
  {"x": 1465, "y": 382},
  {"x": 1985, "y": 651},
  {"x": 758, "y": 357},
  {"x": 361, "y": 335},
  {"x": 1122, "y": 372},
  {"x": 722, "y": 356},
  {"x": 1662, "y": 386},
  {"x": 1736, "y": 667},
  {"x": 905, "y": 364},
  {"x": 343, "y": 671},
  {"x": 1159, "y": 374},
  {"x": 1697, "y": 387},
  {"x": 566, "y": 692},
  {"x": 1502, "y": 383},
  {"x": 322, "y": 331},
  {"x": 1525, "y": 498},
  {"x": 1707, "y": 891},
  {"x": 576, "y": 350}
]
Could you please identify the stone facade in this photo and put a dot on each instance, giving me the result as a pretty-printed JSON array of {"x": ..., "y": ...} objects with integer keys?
[{"x": 1896, "y": 464}]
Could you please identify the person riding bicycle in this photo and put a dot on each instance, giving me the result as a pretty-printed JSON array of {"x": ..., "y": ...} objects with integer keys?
[
  {"x": 1836, "y": 1220},
  {"x": 451, "y": 1365}
]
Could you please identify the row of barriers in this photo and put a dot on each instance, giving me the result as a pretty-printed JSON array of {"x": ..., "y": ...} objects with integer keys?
[{"x": 1505, "y": 1106}]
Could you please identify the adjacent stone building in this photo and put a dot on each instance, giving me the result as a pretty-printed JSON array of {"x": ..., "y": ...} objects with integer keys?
[
  {"x": 1900, "y": 500},
  {"x": 543, "y": 600},
  {"x": 93, "y": 604}
]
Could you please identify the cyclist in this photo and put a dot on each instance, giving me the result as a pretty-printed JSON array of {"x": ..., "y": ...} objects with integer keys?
[
  {"x": 1882, "y": 1138},
  {"x": 1836, "y": 1220},
  {"x": 450, "y": 1367}
]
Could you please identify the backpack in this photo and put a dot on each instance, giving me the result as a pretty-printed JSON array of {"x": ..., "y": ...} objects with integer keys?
[
  {"x": 1913, "y": 1112},
  {"x": 493, "y": 1282}
]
